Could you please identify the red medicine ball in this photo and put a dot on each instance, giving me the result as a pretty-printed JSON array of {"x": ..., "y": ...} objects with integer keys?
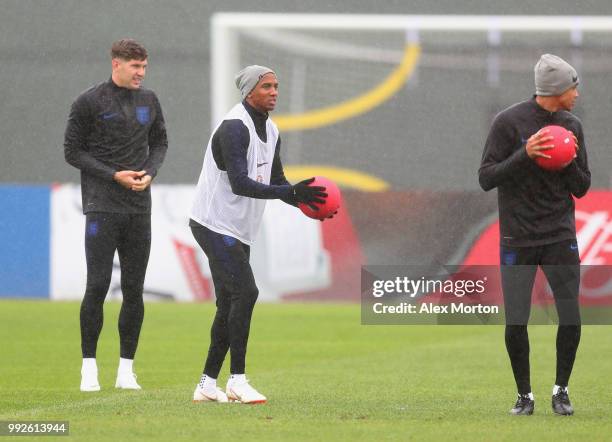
[
  {"x": 562, "y": 154},
  {"x": 332, "y": 201}
]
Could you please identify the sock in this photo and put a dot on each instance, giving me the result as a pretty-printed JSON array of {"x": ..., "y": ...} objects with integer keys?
[
  {"x": 238, "y": 378},
  {"x": 556, "y": 389},
  {"x": 208, "y": 383},
  {"x": 125, "y": 365},
  {"x": 89, "y": 365},
  {"x": 530, "y": 394}
]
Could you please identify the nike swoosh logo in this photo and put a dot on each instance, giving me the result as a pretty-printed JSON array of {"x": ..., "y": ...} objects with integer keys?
[
  {"x": 260, "y": 164},
  {"x": 574, "y": 79},
  {"x": 574, "y": 247},
  {"x": 109, "y": 115}
]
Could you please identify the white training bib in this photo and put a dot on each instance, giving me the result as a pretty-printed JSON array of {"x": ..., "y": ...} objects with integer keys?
[{"x": 216, "y": 206}]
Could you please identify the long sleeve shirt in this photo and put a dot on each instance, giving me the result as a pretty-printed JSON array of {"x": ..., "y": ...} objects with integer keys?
[
  {"x": 229, "y": 148},
  {"x": 536, "y": 206},
  {"x": 111, "y": 129}
]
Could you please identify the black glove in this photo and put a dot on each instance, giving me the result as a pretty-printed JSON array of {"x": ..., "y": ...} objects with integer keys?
[{"x": 303, "y": 193}]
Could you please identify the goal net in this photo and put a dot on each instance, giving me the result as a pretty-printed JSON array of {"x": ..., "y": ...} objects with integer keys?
[{"x": 405, "y": 100}]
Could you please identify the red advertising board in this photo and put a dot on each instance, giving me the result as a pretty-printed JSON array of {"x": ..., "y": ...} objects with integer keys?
[{"x": 594, "y": 234}]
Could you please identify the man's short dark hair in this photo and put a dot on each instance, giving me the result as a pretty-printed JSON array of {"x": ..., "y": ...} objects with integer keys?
[{"x": 128, "y": 49}]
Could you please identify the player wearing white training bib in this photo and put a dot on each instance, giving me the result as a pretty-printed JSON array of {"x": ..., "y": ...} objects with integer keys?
[
  {"x": 216, "y": 206},
  {"x": 242, "y": 169}
]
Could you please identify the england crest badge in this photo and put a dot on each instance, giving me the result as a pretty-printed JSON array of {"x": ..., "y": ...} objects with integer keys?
[{"x": 142, "y": 114}]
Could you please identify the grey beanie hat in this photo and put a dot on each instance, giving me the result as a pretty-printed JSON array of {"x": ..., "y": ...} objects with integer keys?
[
  {"x": 248, "y": 78},
  {"x": 553, "y": 76}
]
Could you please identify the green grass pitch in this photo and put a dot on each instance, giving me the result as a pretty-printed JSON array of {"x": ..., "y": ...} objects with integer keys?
[{"x": 327, "y": 377}]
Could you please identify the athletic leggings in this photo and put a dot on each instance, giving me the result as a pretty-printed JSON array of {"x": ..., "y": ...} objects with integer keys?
[
  {"x": 130, "y": 236},
  {"x": 560, "y": 263},
  {"x": 236, "y": 294}
]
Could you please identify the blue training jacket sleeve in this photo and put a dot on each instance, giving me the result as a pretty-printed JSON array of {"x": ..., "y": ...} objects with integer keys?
[
  {"x": 499, "y": 161},
  {"x": 78, "y": 127},
  {"x": 158, "y": 142},
  {"x": 233, "y": 142},
  {"x": 577, "y": 175}
]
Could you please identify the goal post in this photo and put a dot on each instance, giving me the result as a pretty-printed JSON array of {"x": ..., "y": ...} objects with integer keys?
[
  {"x": 405, "y": 98},
  {"x": 225, "y": 27}
]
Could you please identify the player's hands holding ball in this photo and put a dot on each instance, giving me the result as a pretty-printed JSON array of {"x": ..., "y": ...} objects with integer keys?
[
  {"x": 576, "y": 145},
  {"x": 317, "y": 197},
  {"x": 304, "y": 193},
  {"x": 539, "y": 143},
  {"x": 552, "y": 147}
]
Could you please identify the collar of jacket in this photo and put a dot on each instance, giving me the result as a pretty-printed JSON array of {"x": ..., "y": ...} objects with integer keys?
[
  {"x": 116, "y": 88},
  {"x": 539, "y": 111},
  {"x": 257, "y": 116}
]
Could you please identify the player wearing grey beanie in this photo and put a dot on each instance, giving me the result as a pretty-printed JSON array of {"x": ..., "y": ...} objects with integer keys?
[
  {"x": 553, "y": 76},
  {"x": 248, "y": 78},
  {"x": 537, "y": 221},
  {"x": 242, "y": 169}
]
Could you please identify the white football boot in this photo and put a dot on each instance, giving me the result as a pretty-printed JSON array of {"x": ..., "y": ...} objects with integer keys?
[
  {"x": 241, "y": 391},
  {"x": 127, "y": 381},
  {"x": 89, "y": 381},
  {"x": 209, "y": 394}
]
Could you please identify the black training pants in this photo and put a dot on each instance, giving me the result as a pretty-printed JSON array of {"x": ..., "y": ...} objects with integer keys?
[
  {"x": 560, "y": 263},
  {"x": 130, "y": 236},
  {"x": 236, "y": 294}
]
